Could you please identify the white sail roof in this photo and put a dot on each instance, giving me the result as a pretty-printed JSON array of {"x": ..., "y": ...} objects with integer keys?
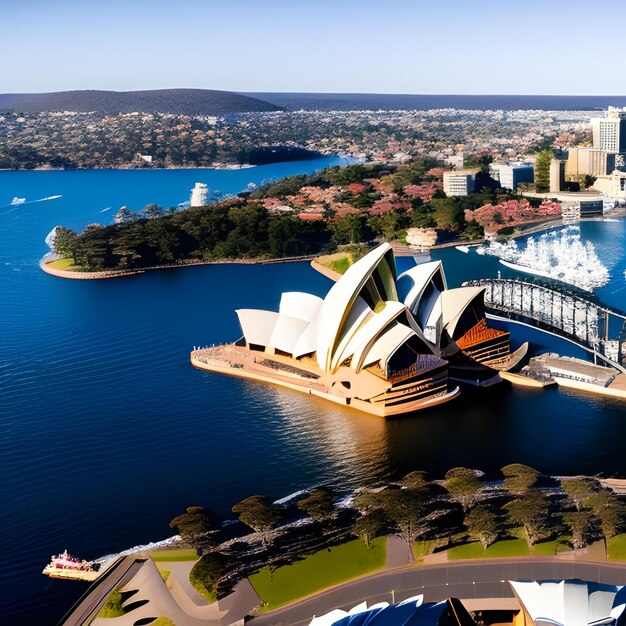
[
  {"x": 257, "y": 325},
  {"x": 365, "y": 337},
  {"x": 569, "y": 603},
  {"x": 413, "y": 282},
  {"x": 454, "y": 302},
  {"x": 340, "y": 300},
  {"x": 304, "y": 306},
  {"x": 287, "y": 331},
  {"x": 386, "y": 345}
]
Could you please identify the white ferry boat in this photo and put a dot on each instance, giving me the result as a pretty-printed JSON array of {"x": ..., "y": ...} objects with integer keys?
[{"x": 65, "y": 565}]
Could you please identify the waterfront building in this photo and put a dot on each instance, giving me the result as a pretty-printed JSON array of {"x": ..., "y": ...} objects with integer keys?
[
  {"x": 591, "y": 162},
  {"x": 359, "y": 346},
  {"x": 459, "y": 182},
  {"x": 377, "y": 342},
  {"x": 609, "y": 132},
  {"x": 511, "y": 173},
  {"x": 199, "y": 195}
]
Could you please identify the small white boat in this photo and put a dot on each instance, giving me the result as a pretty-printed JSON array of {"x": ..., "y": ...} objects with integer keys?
[
  {"x": 17, "y": 200},
  {"x": 464, "y": 249}
]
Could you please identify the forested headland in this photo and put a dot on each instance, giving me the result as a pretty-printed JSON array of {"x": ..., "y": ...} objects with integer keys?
[{"x": 297, "y": 216}]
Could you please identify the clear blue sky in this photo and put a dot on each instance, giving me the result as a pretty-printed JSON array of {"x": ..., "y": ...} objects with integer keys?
[{"x": 383, "y": 46}]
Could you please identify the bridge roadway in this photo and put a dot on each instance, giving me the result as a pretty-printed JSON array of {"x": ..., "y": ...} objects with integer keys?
[
  {"x": 467, "y": 580},
  {"x": 568, "y": 315}
]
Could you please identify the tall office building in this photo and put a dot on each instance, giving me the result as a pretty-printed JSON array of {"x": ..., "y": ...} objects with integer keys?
[
  {"x": 459, "y": 182},
  {"x": 512, "y": 173},
  {"x": 609, "y": 132}
]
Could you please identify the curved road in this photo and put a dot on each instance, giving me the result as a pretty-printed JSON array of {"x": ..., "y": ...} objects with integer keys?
[{"x": 486, "y": 578}]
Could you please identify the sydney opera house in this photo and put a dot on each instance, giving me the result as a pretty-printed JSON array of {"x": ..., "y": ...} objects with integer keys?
[{"x": 378, "y": 342}]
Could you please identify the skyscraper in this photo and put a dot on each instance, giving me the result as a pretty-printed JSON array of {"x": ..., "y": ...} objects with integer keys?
[{"x": 609, "y": 132}]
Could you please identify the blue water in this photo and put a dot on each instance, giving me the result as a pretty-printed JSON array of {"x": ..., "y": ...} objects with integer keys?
[{"x": 108, "y": 432}]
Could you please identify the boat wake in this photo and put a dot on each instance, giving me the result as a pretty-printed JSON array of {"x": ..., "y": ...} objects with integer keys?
[
  {"x": 105, "y": 561},
  {"x": 559, "y": 256}
]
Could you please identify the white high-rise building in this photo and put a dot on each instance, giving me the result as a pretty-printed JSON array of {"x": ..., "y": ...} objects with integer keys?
[
  {"x": 459, "y": 182},
  {"x": 199, "y": 195},
  {"x": 609, "y": 132}
]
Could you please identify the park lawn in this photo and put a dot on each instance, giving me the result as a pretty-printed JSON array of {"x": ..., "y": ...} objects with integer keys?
[
  {"x": 162, "y": 621},
  {"x": 182, "y": 554},
  {"x": 65, "y": 264},
  {"x": 616, "y": 548},
  {"x": 318, "y": 571},
  {"x": 422, "y": 548},
  {"x": 500, "y": 549}
]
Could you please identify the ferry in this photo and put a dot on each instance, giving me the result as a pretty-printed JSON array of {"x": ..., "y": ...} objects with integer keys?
[{"x": 66, "y": 566}]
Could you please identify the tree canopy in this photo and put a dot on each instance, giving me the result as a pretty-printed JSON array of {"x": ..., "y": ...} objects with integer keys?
[
  {"x": 463, "y": 485},
  {"x": 318, "y": 504},
  {"x": 260, "y": 513}
]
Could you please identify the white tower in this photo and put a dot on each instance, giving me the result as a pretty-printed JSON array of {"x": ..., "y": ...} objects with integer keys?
[{"x": 199, "y": 195}]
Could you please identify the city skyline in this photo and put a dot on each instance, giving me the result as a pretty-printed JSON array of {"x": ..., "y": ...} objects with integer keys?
[{"x": 403, "y": 47}]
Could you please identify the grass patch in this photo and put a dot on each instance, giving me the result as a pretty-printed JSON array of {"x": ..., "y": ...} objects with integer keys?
[
  {"x": 616, "y": 547},
  {"x": 113, "y": 606},
  {"x": 318, "y": 571},
  {"x": 162, "y": 621},
  {"x": 163, "y": 556},
  {"x": 165, "y": 574},
  {"x": 421, "y": 548},
  {"x": 65, "y": 264},
  {"x": 341, "y": 265},
  {"x": 501, "y": 549}
]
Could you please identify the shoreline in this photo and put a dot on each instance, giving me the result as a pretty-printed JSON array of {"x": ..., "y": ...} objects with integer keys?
[{"x": 44, "y": 264}]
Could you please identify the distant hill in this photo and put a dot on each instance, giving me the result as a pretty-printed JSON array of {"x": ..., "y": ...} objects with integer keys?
[
  {"x": 177, "y": 101},
  {"x": 408, "y": 102}
]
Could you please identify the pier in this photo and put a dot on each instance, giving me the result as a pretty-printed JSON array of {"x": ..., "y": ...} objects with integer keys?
[{"x": 565, "y": 314}]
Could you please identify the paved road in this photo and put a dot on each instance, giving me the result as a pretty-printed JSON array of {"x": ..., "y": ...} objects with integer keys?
[
  {"x": 89, "y": 604},
  {"x": 466, "y": 580}
]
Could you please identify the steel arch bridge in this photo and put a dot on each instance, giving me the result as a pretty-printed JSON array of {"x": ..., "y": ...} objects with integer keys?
[{"x": 569, "y": 315}]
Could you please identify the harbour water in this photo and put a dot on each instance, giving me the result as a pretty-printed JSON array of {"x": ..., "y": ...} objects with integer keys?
[{"x": 108, "y": 432}]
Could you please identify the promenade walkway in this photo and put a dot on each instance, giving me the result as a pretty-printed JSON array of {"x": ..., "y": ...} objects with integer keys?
[{"x": 467, "y": 580}]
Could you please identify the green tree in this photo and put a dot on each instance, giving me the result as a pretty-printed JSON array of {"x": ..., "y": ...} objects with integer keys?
[
  {"x": 260, "y": 513},
  {"x": 463, "y": 485},
  {"x": 417, "y": 482},
  {"x": 65, "y": 242},
  {"x": 610, "y": 510},
  {"x": 542, "y": 170},
  {"x": 194, "y": 525},
  {"x": 579, "y": 489},
  {"x": 348, "y": 229},
  {"x": 531, "y": 511},
  {"x": 206, "y": 574},
  {"x": 473, "y": 230},
  {"x": 369, "y": 526},
  {"x": 318, "y": 504},
  {"x": 482, "y": 524},
  {"x": 519, "y": 478},
  {"x": 366, "y": 501},
  {"x": 406, "y": 509},
  {"x": 579, "y": 523}
]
